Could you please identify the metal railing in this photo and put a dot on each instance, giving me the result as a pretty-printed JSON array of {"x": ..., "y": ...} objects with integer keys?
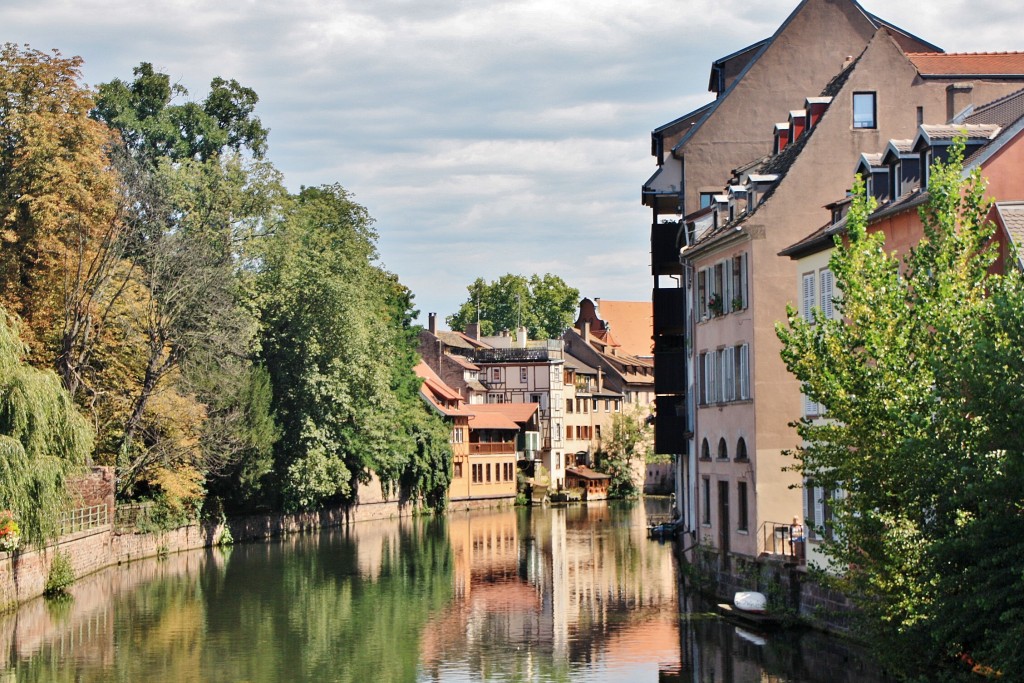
[
  {"x": 83, "y": 519},
  {"x": 130, "y": 515},
  {"x": 776, "y": 540}
]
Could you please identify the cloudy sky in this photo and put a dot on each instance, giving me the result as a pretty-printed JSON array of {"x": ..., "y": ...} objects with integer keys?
[{"x": 485, "y": 136}]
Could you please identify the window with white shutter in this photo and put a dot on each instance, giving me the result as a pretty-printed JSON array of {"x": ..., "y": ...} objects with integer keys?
[
  {"x": 744, "y": 373},
  {"x": 711, "y": 378},
  {"x": 827, "y": 282},
  {"x": 807, "y": 301},
  {"x": 702, "y": 294},
  {"x": 729, "y": 374},
  {"x": 727, "y": 288},
  {"x": 702, "y": 378},
  {"x": 819, "y": 512}
]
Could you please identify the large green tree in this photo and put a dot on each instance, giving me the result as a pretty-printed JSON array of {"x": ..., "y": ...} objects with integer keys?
[
  {"x": 919, "y": 374},
  {"x": 628, "y": 447},
  {"x": 543, "y": 304},
  {"x": 337, "y": 340}
]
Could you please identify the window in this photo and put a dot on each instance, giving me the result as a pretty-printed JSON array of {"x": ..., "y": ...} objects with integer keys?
[
  {"x": 826, "y": 289},
  {"x": 495, "y": 374},
  {"x": 524, "y": 375},
  {"x": 723, "y": 450},
  {"x": 702, "y": 295},
  {"x": 742, "y": 510},
  {"x": 812, "y": 408},
  {"x": 864, "y": 110},
  {"x": 742, "y": 378},
  {"x": 728, "y": 364},
  {"x": 710, "y": 377},
  {"x": 478, "y": 474},
  {"x": 568, "y": 405},
  {"x": 807, "y": 301},
  {"x": 535, "y": 398},
  {"x": 738, "y": 300},
  {"x": 597, "y": 432},
  {"x": 458, "y": 470},
  {"x": 458, "y": 435},
  {"x": 706, "y": 199},
  {"x": 584, "y": 405},
  {"x": 741, "y": 449},
  {"x": 488, "y": 473},
  {"x": 705, "y": 450},
  {"x": 705, "y": 501}
]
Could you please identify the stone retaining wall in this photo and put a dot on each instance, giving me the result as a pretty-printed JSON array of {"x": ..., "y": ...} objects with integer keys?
[{"x": 23, "y": 574}]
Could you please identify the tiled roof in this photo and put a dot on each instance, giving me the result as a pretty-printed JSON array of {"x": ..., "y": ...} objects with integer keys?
[
  {"x": 1002, "y": 112},
  {"x": 579, "y": 366},
  {"x": 953, "y": 64},
  {"x": 463, "y": 362},
  {"x": 584, "y": 472},
  {"x": 517, "y": 412},
  {"x": 489, "y": 419},
  {"x": 983, "y": 131},
  {"x": 1011, "y": 214},
  {"x": 458, "y": 340},
  {"x": 871, "y": 159}
]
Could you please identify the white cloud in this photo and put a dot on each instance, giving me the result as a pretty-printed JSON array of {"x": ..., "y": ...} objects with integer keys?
[{"x": 485, "y": 136}]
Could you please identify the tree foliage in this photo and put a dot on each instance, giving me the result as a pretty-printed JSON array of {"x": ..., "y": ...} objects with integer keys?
[
  {"x": 543, "y": 304},
  {"x": 630, "y": 444},
  {"x": 337, "y": 340},
  {"x": 919, "y": 374},
  {"x": 43, "y": 439}
]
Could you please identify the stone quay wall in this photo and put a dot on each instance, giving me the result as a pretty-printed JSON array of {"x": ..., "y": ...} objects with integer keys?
[{"x": 24, "y": 573}]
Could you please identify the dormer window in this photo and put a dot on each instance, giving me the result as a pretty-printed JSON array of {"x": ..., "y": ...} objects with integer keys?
[{"x": 865, "y": 110}]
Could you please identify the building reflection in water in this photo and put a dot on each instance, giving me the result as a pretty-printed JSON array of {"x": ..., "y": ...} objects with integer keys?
[
  {"x": 572, "y": 593},
  {"x": 541, "y": 594}
]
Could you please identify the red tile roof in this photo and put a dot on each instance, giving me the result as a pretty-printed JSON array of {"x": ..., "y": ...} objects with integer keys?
[
  {"x": 517, "y": 412},
  {"x": 952, "y": 64},
  {"x": 631, "y": 324}
]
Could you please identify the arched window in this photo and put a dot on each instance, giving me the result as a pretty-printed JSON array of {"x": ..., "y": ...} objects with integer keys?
[
  {"x": 741, "y": 449},
  {"x": 723, "y": 450},
  {"x": 705, "y": 451}
]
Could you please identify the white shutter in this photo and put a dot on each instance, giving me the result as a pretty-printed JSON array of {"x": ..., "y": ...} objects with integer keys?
[
  {"x": 827, "y": 280},
  {"x": 807, "y": 302},
  {"x": 729, "y": 374},
  {"x": 743, "y": 280},
  {"x": 744, "y": 373},
  {"x": 809, "y": 410},
  {"x": 727, "y": 286},
  {"x": 712, "y": 385},
  {"x": 702, "y": 379},
  {"x": 819, "y": 510},
  {"x": 807, "y": 493}
]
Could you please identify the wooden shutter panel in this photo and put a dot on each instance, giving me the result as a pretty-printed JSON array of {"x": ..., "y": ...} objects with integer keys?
[
  {"x": 827, "y": 282},
  {"x": 807, "y": 302}
]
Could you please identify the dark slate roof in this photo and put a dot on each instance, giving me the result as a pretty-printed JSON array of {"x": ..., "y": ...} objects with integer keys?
[
  {"x": 1012, "y": 216},
  {"x": 1001, "y": 112}
]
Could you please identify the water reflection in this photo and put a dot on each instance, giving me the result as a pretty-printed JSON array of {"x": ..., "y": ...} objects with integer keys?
[{"x": 565, "y": 594}]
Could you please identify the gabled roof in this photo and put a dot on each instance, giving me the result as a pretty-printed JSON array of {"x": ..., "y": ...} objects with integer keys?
[
  {"x": 968, "y": 64},
  {"x": 436, "y": 392},
  {"x": 897, "y": 149},
  {"x": 904, "y": 39},
  {"x": 464, "y": 362}
]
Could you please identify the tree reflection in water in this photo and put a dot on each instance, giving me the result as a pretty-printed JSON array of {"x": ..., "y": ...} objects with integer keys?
[{"x": 560, "y": 594}]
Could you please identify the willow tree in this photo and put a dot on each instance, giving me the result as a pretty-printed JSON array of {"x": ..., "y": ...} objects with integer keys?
[
  {"x": 43, "y": 438},
  {"x": 920, "y": 374}
]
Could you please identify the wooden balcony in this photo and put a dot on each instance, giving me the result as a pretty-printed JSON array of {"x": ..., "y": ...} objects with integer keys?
[
  {"x": 669, "y": 311},
  {"x": 496, "y": 448},
  {"x": 671, "y": 426},
  {"x": 665, "y": 249},
  {"x": 670, "y": 366}
]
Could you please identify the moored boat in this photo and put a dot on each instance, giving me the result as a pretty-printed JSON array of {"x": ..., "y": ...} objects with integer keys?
[{"x": 750, "y": 601}]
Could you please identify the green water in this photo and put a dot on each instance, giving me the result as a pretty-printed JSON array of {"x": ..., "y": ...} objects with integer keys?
[{"x": 561, "y": 594}]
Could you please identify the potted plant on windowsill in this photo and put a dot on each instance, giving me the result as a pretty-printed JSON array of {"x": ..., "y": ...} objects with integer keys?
[
  {"x": 715, "y": 304},
  {"x": 737, "y": 303}
]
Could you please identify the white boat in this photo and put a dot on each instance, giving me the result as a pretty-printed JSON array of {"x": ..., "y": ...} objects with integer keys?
[{"x": 750, "y": 601}]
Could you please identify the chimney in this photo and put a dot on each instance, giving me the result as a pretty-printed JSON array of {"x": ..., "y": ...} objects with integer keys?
[
  {"x": 847, "y": 62},
  {"x": 432, "y": 322},
  {"x": 959, "y": 96},
  {"x": 521, "y": 335},
  {"x": 473, "y": 330},
  {"x": 600, "y": 380},
  {"x": 586, "y": 330}
]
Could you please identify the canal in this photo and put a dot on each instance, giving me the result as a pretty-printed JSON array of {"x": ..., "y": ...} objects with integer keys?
[{"x": 558, "y": 594}]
